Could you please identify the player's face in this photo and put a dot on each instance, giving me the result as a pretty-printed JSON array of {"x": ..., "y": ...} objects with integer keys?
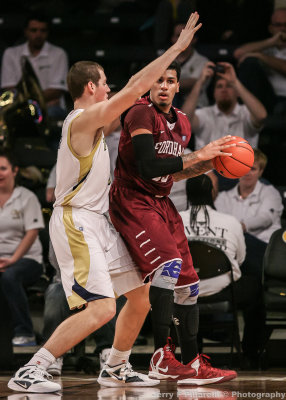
[
  {"x": 224, "y": 94},
  {"x": 7, "y": 173},
  {"x": 251, "y": 178},
  {"x": 102, "y": 88},
  {"x": 163, "y": 91},
  {"x": 36, "y": 34}
]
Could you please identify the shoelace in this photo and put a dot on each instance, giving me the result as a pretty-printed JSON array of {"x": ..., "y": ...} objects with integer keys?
[
  {"x": 41, "y": 373},
  {"x": 205, "y": 360},
  {"x": 169, "y": 351},
  {"x": 128, "y": 369}
]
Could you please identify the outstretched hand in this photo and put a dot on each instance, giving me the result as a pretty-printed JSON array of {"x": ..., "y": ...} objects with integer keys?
[
  {"x": 187, "y": 34},
  {"x": 216, "y": 148}
]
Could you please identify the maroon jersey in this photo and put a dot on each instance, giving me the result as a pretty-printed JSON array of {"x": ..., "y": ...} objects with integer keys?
[{"x": 170, "y": 140}]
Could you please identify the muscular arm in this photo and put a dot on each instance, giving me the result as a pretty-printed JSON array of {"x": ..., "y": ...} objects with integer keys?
[
  {"x": 181, "y": 167},
  {"x": 195, "y": 170}
]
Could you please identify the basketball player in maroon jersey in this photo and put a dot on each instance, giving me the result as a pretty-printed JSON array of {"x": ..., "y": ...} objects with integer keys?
[{"x": 150, "y": 158}]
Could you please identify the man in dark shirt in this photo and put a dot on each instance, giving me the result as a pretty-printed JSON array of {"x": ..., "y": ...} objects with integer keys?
[{"x": 150, "y": 158}]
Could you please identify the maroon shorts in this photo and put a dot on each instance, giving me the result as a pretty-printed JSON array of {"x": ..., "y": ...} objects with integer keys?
[{"x": 153, "y": 232}]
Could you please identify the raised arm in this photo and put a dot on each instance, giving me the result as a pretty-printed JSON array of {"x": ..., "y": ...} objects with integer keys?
[
  {"x": 253, "y": 47},
  {"x": 191, "y": 101},
  {"x": 257, "y": 110},
  {"x": 103, "y": 113}
]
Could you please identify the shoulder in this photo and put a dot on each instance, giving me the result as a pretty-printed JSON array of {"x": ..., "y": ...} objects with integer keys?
[
  {"x": 14, "y": 50},
  {"x": 139, "y": 108},
  {"x": 268, "y": 188},
  {"x": 226, "y": 195},
  {"x": 206, "y": 111},
  {"x": 56, "y": 50},
  {"x": 25, "y": 193},
  {"x": 226, "y": 219}
]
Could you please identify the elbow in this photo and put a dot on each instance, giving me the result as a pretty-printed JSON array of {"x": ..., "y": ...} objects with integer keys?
[
  {"x": 137, "y": 87},
  {"x": 146, "y": 172}
]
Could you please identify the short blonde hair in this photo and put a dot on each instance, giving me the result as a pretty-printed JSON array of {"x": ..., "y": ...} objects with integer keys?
[{"x": 261, "y": 158}]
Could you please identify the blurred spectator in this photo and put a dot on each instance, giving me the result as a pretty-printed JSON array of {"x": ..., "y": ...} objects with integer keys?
[
  {"x": 192, "y": 64},
  {"x": 20, "y": 248},
  {"x": 49, "y": 63},
  {"x": 226, "y": 116},
  {"x": 202, "y": 222},
  {"x": 258, "y": 207},
  {"x": 51, "y": 184},
  {"x": 262, "y": 65}
]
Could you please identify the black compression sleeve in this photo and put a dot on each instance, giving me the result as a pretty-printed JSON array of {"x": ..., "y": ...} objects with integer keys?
[{"x": 148, "y": 165}]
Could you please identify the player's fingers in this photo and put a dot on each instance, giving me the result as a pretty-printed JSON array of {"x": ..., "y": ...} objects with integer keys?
[
  {"x": 222, "y": 154},
  {"x": 225, "y": 146},
  {"x": 193, "y": 18},
  {"x": 225, "y": 139},
  {"x": 196, "y": 28}
]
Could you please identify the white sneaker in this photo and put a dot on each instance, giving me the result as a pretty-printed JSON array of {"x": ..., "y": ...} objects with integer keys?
[
  {"x": 123, "y": 375},
  {"x": 33, "y": 379},
  {"x": 103, "y": 357},
  {"x": 55, "y": 368},
  {"x": 24, "y": 341}
]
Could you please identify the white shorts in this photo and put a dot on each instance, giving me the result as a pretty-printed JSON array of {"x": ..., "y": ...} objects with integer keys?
[{"x": 93, "y": 259}]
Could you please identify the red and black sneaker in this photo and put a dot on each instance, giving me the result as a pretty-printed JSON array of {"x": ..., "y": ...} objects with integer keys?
[
  {"x": 163, "y": 364},
  {"x": 205, "y": 373}
]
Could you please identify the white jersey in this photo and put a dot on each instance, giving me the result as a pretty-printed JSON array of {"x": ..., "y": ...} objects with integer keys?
[{"x": 82, "y": 182}]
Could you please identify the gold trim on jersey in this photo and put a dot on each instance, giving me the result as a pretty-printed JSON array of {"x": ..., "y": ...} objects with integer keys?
[
  {"x": 85, "y": 163},
  {"x": 80, "y": 253}
]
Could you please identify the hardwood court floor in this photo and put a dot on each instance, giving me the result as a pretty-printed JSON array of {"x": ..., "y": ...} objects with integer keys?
[{"x": 248, "y": 385}]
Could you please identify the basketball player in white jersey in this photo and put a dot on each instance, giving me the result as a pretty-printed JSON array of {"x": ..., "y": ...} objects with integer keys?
[{"x": 93, "y": 260}]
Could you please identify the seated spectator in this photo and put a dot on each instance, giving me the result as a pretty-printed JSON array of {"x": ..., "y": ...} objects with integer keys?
[
  {"x": 226, "y": 116},
  {"x": 192, "y": 64},
  {"x": 49, "y": 63},
  {"x": 262, "y": 65},
  {"x": 20, "y": 248},
  {"x": 51, "y": 184},
  {"x": 258, "y": 207},
  {"x": 203, "y": 222}
]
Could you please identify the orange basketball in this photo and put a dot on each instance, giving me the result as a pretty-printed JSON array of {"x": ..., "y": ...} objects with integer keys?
[{"x": 239, "y": 163}]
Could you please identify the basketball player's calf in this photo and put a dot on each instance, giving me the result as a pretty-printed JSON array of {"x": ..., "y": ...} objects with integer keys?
[
  {"x": 163, "y": 364},
  {"x": 186, "y": 317}
]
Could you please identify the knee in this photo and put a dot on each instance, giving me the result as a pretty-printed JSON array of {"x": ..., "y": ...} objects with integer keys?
[
  {"x": 139, "y": 299},
  {"x": 104, "y": 310},
  {"x": 8, "y": 279}
]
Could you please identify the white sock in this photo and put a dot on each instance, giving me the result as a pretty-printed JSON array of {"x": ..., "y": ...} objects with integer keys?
[
  {"x": 117, "y": 357},
  {"x": 43, "y": 358}
]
